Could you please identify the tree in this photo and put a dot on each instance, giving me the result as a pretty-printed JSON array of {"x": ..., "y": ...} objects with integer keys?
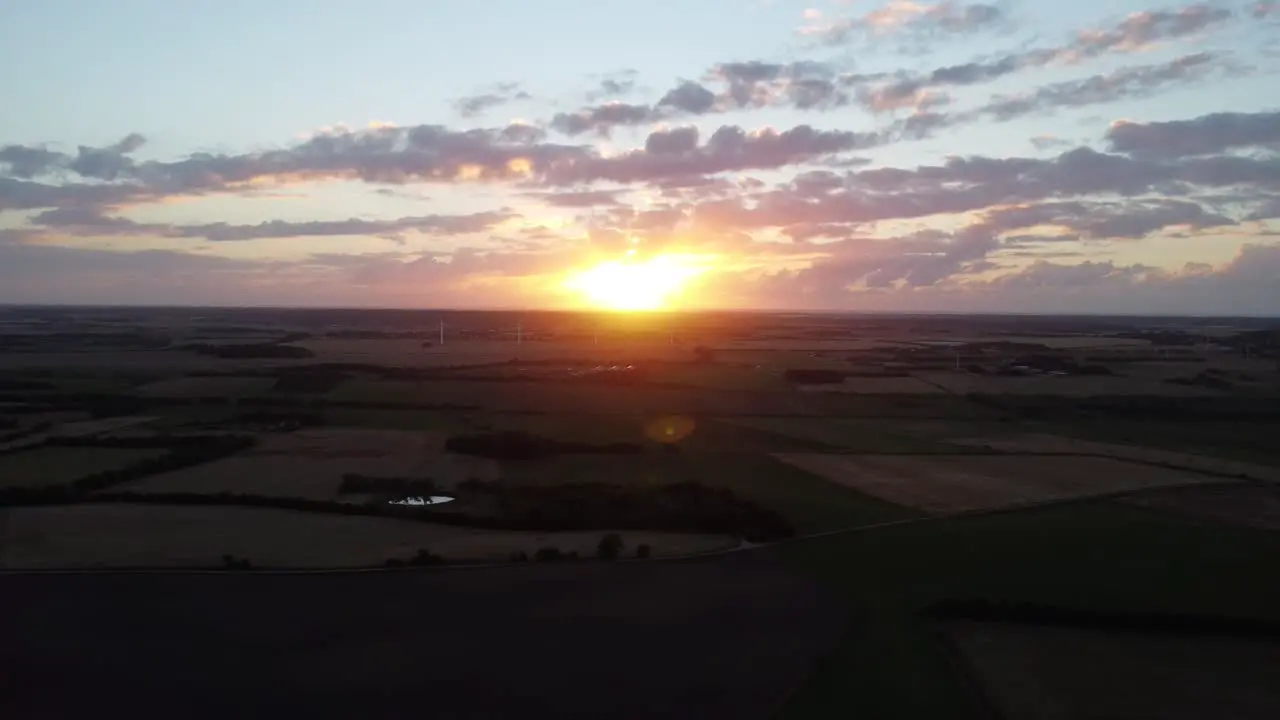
[
  {"x": 609, "y": 547},
  {"x": 547, "y": 554},
  {"x": 643, "y": 552}
]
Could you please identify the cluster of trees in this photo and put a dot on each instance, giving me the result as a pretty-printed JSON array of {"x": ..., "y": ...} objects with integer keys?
[
  {"x": 682, "y": 507},
  {"x": 249, "y": 351},
  {"x": 353, "y": 483},
  {"x": 183, "y": 452},
  {"x": 609, "y": 548},
  {"x": 523, "y": 446},
  {"x": 419, "y": 559},
  {"x": 678, "y": 507},
  {"x": 231, "y": 562}
]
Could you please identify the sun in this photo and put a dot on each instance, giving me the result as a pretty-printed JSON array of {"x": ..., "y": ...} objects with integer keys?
[{"x": 634, "y": 284}]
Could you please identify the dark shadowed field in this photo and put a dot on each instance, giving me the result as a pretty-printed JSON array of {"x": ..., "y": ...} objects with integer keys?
[{"x": 716, "y": 638}]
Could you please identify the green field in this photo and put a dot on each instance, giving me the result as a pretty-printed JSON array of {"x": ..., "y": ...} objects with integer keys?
[
  {"x": 47, "y": 466},
  {"x": 809, "y": 502},
  {"x": 1095, "y": 556},
  {"x": 1247, "y": 441}
]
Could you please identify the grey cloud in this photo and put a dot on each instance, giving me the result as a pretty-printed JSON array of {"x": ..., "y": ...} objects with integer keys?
[
  {"x": 965, "y": 184},
  {"x": 522, "y": 133},
  {"x": 1049, "y": 142},
  {"x": 429, "y": 224},
  {"x": 899, "y": 16},
  {"x": 105, "y": 163},
  {"x": 729, "y": 148},
  {"x": 1205, "y": 135},
  {"x": 26, "y": 162},
  {"x": 672, "y": 141},
  {"x": 1141, "y": 29},
  {"x": 579, "y": 198},
  {"x": 1103, "y": 220},
  {"x": 480, "y": 103},
  {"x": 804, "y": 85},
  {"x": 85, "y": 220},
  {"x": 602, "y": 118},
  {"x": 689, "y": 97},
  {"x": 616, "y": 84},
  {"x": 1131, "y": 34},
  {"x": 1131, "y": 82}
]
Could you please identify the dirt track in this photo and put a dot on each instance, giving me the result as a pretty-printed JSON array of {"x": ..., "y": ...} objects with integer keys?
[{"x": 719, "y": 637}]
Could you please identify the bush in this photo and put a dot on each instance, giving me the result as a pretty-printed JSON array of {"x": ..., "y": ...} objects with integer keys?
[
  {"x": 519, "y": 556},
  {"x": 610, "y": 547},
  {"x": 643, "y": 552},
  {"x": 425, "y": 557}
]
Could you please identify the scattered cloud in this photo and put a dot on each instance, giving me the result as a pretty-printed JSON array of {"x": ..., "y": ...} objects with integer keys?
[
  {"x": 502, "y": 94},
  {"x": 905, "y": 16}
]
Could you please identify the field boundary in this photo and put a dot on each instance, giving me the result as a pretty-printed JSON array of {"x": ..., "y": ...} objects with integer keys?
[{"x": 743, "y": 545}]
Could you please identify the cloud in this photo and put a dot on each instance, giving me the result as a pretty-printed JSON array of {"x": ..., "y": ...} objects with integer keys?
[
  {"x": 1265, "y": 9},
  {"x": 106, "y": 163},
  {"x": 480, "y": 103},
  {"x": 1131, "y": 82},
  {"x": 689, "y": 97},
  {"x": 906, "y": 16},
  {"x": 1205, "y": 135},
  {"x": 1136, "y": 32},
  {"x": 968, "y": 184},
  {"x": 669, "y": 154},
  {"x": 89, "y": 221},
  {"x": 616, "y": 84},
  {"x": 26, "y": 162},
  {"x": 578, "y": 198},
  {"x": 1049, "y": 142},
  {"x": 804, "y": 85},
  {"x": 602, "y": 118}
]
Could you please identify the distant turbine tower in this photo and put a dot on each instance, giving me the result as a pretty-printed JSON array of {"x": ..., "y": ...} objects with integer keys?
[{"x": 442, "y": 331}]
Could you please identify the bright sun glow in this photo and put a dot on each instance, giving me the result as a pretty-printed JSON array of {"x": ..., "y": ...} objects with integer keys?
[{"x": 634, "y": 284}]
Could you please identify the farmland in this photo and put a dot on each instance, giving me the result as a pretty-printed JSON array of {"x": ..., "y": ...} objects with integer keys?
[
  {"x": 51, "y": 466},
  {"x": 848, "y": 476},
  {"x": 1038, "y": 672},
  {"x": 123, "y": 535},
  {"x": 942, "y": 484}
]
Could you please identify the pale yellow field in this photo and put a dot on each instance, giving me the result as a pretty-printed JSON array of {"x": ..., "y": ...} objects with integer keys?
[
  {"x": 311, "y": 463},
  {"x": 874, "y": 386},
  {"x": 1045, "y": 443},
  {"x": 958, "y": 483},
  {"x": 123, "y": 535},
  {"x": 207, "y": 387}
]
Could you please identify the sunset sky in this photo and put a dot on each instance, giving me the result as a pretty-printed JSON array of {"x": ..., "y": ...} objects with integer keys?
[{"x": 1113, "y": 156}]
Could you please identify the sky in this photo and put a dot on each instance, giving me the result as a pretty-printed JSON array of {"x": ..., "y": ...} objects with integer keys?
[{"x": 1097, "y": 156}]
